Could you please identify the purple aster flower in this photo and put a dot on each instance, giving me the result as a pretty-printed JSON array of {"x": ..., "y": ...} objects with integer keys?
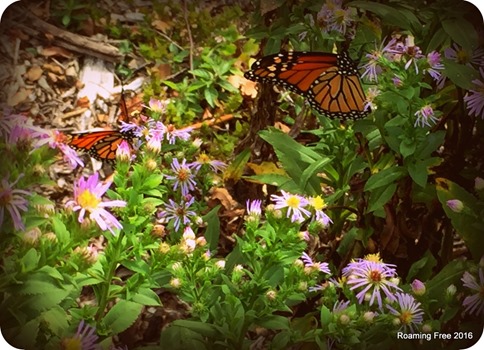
[
  {"x": 88, "y": 198},
  {"x": 474, "y": 99},
  {"x": 181, "y": 213},
  {"x": 309, "y": 263},
  {"x": 215, "y": 165},
  {"x": 157, "y": 105},
  {"x": 294, "y": 203},
  {"x": 85, "y": 338},
  {"x": 397, "y": 81},
  {"x": 340, "y": 306},
  {"x": 425, "y": 115},
  {"x": 154, "y": 139},
  {"x": 474, "y": 304},
  {"x": 70, "y": 156},
  {"x": 408, "y": 50},
  {"x": 183, "y": 176},
  {"x": 334, "y": 17},
  {"x": 372, "y": 67},
  {"x": 137, "y": 130},
  {"x": 408, "y": 311},
  {"x": 123, "y": 152},
  {"x": 434, "y": 61},
  {"x": 371, "y": 95},
  {"x": 13, "y": 200},
  {"x": 254, "y": 207},
  {"x": 458, "y": 54},
  {"x": 318, "y": 204},
  {"x": 172, "y": 134},
  {"x": 9, "y": 120},
  {"x": 371, "y": 277}
]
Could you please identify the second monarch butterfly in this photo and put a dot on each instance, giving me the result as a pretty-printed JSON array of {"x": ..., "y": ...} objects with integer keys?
[
  {"x": 101, "y": 145},
  {"x": 329, "y": 81}
]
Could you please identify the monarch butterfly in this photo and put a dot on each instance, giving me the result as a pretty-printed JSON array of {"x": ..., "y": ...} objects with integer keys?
[
  {"x": 101, "y": 145},
  {"x": 329, "y": 81}
]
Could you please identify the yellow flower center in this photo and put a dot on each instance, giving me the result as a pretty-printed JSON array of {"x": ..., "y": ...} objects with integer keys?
[
  {"x": 88, "y": 200},
  {"x": 406, "y": 317},
  {"x": 318, "y": 203},
  {"x": 203, "y": 158},
  {"x": 293, "y": 202},
  {"x": 71, "y": 344},
  {"x": 373, "y": 257},
  {"x": 183, "y": 175}
]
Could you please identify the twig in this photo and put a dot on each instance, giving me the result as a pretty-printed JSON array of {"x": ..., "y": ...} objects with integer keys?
[
  {"x": 185, "y": 15},
  {"x": 211, "y": 122},
  {"x": 169, "y": 39},
  {"x": 68, "y": 40}
]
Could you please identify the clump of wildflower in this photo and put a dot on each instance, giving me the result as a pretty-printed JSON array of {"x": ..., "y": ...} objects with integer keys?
[
  {"x": 372, "y": 277},
  {"x": 425, "y": 115},
  {"x": 311, "y": 265},
  {"x": 474, "y": 99},
  {"x": 474, "y": 304},
  {"x": 294, "y": 203},
  {"x": 85, "y": 338},
  {"x": 12, "y": 200},
  {"x": 181, "y": 212},
  {"x": 408, "y": 311},
  {"x": 88, "y": 198},
  {"x": 183, "y": 177},
  {"x": 455, "y": 205}
]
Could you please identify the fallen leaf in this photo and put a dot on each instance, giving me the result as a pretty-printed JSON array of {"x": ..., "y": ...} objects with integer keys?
[
  {"x": 247, "y": 87},
  {"x": 266, "y": 168},
  {"x": 55, "y": 51},
  {"x": 19, "y": 97},
  {"x": 161, "y": 25},
  {"x": 34, "y": 73},
  {"x": 283, "y": 127},
  {"x": 83, "y": 102},
  {"x": 53, "y": 78},
  {"x": 163, "y": 70},
  {"x": 54, "y": 68},
  {"x": 224, "y": 197}
]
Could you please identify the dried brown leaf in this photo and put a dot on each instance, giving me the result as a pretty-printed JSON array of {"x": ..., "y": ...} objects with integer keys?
[
  {"x": 54, "y": 68},
  {"x": 34, "y": 73},
  {"x": 19, "y": 97},
  {"x": 224, "y": 197},
  {"x": 55, "y": 51}
]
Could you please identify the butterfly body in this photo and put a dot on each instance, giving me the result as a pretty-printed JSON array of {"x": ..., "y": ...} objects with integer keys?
[
  {"x": 101, "y": 145},
  {"x": 329, "y": 81}
]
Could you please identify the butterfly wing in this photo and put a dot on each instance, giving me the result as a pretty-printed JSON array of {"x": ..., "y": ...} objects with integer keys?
[
  {"x": 101, "y": 145},
  {"x": 330, "y": 82}
]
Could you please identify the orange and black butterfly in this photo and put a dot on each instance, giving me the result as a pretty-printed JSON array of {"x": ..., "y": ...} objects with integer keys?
[
  {"x": 330, "y": 82},
  {"x": 102, "y": 145}
]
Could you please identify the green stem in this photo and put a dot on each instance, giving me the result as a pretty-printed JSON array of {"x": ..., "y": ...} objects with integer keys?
[{"x": 112, "y": 261}]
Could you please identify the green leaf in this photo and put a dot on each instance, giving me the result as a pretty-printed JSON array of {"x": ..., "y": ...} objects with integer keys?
[
  {"x": 30, "y": 260},
  {"x": 462, "y": 32},
  {"x": 202, "y": 73},
  {"x": 212, "y": 232},
  {"x": 146, "y": 296},
  {"x": 55, "y": 320},
  {"x": 460, "y": 74},
  {"x": 122, "y": 315},
  {"x": 450, "y": 274},
  {"x": 205, "y": 329},
  {"x": 407, "y": 147},
  {"x": 384, "y": 177},
  {"x": 389, "y": 14},
  {"x": 418, "y": 172},
  {"x": 274, "y": 322},
  {"x": 60, "y": 230},
  {"x": 180, "y": 338},
  {"x": 380, "y": 196},
  {"x": 422, "y": 268},
  {"x": 326, "y": 316}
]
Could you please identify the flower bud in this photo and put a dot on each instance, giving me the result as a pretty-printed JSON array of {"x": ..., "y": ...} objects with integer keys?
[
  {"x": 164, "y": 248},
  {"x": 344, "y": 319},
  {"x": 369, "y": 316},
  {"x": 175, "y": 282},
  {"x": 418, "y": 288},
  {"x": 455, "y": 205},
  {"x": 271, "y": 295}
]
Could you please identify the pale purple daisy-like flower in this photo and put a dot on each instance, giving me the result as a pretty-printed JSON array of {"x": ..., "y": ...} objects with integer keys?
[
  {"x": 321, "y": 266},
  {"x": 137, "y": 130},
  {"x": 408, "y": 50},
  {"x": 204, "y": 159},
  {"x": 154, "y": 139},
  {"x": 88, "y": 199},
  {"x": 425, "y": 115},
  {"x": 474, "y": 304},
  {"x": 84, "y": 339},
  {"x": 157, "y": 105},
  {"x": 318, "y": 204},
  {"x": 460, "y": 55},
  {"x": 334, "y": 16},
  {"x": 70, "y": 156},
  {"x": 9, "y": 120},
  {"x": 408, "y": 311},
  {"x": 371, "y": 95},
  {"x": 371, "y": 277},
  {"x": 254, "y": 207},
  {"x": 180, "y": 212},
  {"x": 183, "y": 176},
  {"x": 172, "y": 134},
  {"x": 435, "y": 63},
  {"x": 294, "y": 203},
  {"x": 474, "y": 99},
  {"x": 340, "y": 306},
  {"x": 373, "y": 66},
  {"x": 12, "y": 200}
]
